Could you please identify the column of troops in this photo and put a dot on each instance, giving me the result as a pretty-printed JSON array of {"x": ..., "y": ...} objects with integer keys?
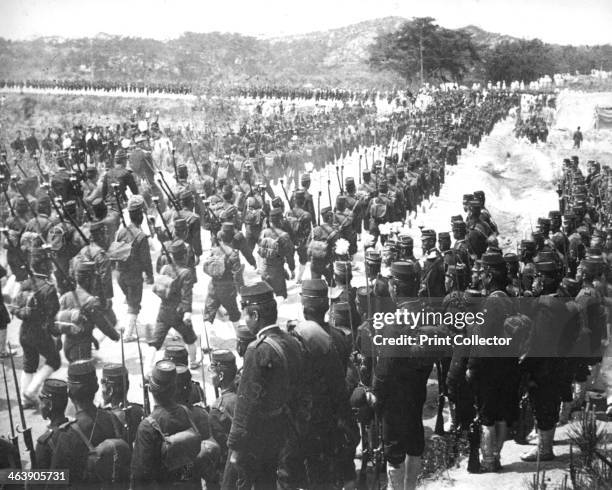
[{"x": 309, "y": 391}]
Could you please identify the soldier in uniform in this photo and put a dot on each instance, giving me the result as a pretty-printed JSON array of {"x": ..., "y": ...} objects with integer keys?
[
  {"x": 187, "y": 203},
  {"x": 177, "y": 353},
  {"x": 301, "y": 225},
  {"x": 344, "y": 223},
  {"x": 115, "y": 386},
  {"x": 321, "y": 245},
  {"x": 138, "y": 263},
  {"x": 344, "y": 292},
  {"x": 276, "y": 248},
  {"x": 254, "y": 217},
  {"x": 80, "y": 312},
  {"x": 90, "y": 427},
  {"x": 308, "y": 200},
  {"x": 175, "y": 307},
  {"x": 224, "y": 369},
  {"x": 124, "y": 179},
  {"x": 36, "y": 306},
  {"x": 268, "y": 395},
  {"x": 149, "y": 466},
  {"x": 223, "y": 287},
  {"x": 354, "y": 203},
  {"x": 400, "y": 387},
  {"x": 53, "y": 401}
]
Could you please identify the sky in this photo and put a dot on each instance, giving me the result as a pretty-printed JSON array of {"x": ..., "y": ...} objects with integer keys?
[{"x": 555, "y": 21}]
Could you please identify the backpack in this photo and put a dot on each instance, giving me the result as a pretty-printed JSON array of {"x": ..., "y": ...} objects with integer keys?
[
  {"x": 379, "y": 210},
  {"x": 163, "y": 286},
  {"x": 318, "y": 249},
  {"x": 121, "y": 251},
  {"x": 269, "y": 247},
  {"x": 253, "y": 217},
  {"x": 57, "y": 237},
  {"x": 215, "y": 263},
  {"x": 109, "y": 461},
  {"x": 180, "y": 450}
]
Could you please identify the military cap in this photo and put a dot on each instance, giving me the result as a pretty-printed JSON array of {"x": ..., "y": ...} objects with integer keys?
[
  {"x": 479, "y": 195},
  {"x": 468, "y": 197},
  {"x": 528, "y": 245},
  {"x": 163, "y": 376},
  {"x": 54, "y": 388},
  {"x": 544, "y": 221},
  {"x": 444, "y": 235},
  {"x": 459, "y": 226},
  {"x": 537, "y": 235},
  {"x": 546, "y": 266},
  {"x": 427, "y": 233},
  {"x": 121, "y": 155},
  {"x": 511, "y": 258},
  {"x": 326, "y": 210},
  {"x": 554, "y": 214},
  {"x": 276, "y": 213},
  {"x": 223, "y": 357},
  {"x": 493, "y": 260},
  {"x": 569, "y": 217},
  {"x": 97, "y": 226},
  {"x": 177, "y": 353},
  {"x": 341, "y": 199},
  {"x": 136, "y": 203},
  {"x": 314, "y": 288},
  {"x": 85, "y": 267},
  {"x": 405, "y": 240},
  {"x": 305, "y": 178},
  {"x": 342, "y": 267},
  {"x": 244, "y": 334},
  {"x": 492, "y": 249},
  {"x": 227, "y": 227},
  {"x": 300, "y": 194},
  {"x": 256, "y": 294},
  {"x": 456, "y": 219},
  {"x": 572, "y": 285},
  {"x": 366, "y": 171},
  {"x": 114, "y": 370},
  {"x": 82, "y": 371},
  {"x": 403, "y": 270},
  {"x": 180, "y": 224},
  {"x": 340, "y": 314},
  {"x": 474, "y": 203},
  {"x": 349, "y": 182},
  {"x": 594, "y": 253},
  {"x": 591, "y": 265},
  {"x": 373, "y": 256}
]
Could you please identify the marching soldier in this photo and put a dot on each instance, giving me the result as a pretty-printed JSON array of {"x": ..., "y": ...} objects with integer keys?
[
  {"x": 300, "y": 222},
  {"x": 274, "y": 363},
  {"x": 321, "y": 245},
  {"x": 308, "y": 200},
  {"x": 177, "y": 353},
  {"x": 276, "y": 248},
  {"x": 135, "y": 265},
  {"x": 187, "y": 203}
]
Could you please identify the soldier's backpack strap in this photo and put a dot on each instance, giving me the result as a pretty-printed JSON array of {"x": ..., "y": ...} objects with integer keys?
[{"x": 278, "y": 349}]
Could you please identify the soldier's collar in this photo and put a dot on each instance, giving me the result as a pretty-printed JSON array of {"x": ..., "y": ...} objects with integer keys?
[{"x": 269, "y": 328}]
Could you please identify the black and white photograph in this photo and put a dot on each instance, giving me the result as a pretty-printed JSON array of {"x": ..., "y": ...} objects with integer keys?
[{"x": 314, "y": 245}]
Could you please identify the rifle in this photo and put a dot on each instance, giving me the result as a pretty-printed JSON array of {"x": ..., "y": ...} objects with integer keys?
[
  {"x": 13, "y": 438},
  {"x": 78, "y": 191},
  {"x": 342, "y": 177},
  {"x": 146, "y": 403},
  {"x": 329, "y": 191},
  {"x": 27, "y": 432},
  {"x": 319, "y": 209},
  {"x": 204, "y": 373},
  {"x": 195, "y": 162},
  {"x": 174, "y": 165},
  {"x": 47, "y": 187},
  {"x": 72, "y": 221},
  {"x": 439, "y": 428},
  {"x": 360, "y": 157},
  {"x": 169, "y": 194},
  {"x": 474, "y": 440},
  {"x": 208, "y": 349},
  {"x": 339, "y": 182},
  {"x": 282, "y": 182},
  {"x": 156, "y": 202},
  {"x": 8, "y": 201},
  {"x": 16, "y": 164}
]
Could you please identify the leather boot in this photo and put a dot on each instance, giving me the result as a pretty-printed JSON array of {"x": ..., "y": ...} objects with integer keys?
[
  {"x": 395, "y": 476},
  {"x": 488, "y": 443},
  {"x": 413, "y": 468},
  {"x": 544, "y": 447},
  {"x": 501, "y": 432}
]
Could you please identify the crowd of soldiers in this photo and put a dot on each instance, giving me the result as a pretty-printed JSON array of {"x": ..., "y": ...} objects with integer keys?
[
  {"x": 302, "y": 93},
  {"x": 308, "y": 391},
  {"x": 98, "y": 86}
]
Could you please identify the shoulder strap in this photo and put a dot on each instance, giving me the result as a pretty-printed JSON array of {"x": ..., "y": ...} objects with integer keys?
[
  {"x": 277, "y": 348},
  {"x": 77, "y": 429},
  {"x": 193, "y": 425}
]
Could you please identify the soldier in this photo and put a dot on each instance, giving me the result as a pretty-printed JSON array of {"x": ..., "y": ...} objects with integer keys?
[
  {"x": 399, "y": 388},
  {"x": 36, "y": 306},
  {"x": 354, "y": 203},
  {"x": 484, "y": 212},
  {"x": 432, "y": 275},
  {"x": 31, "y": 143},
  {"x": 330, "y": 421},
  {"x": 151, "y": 465},
  {"x": 497, "y": 402},
  {"x": 138, "y": 262},
  {"x": 115, "y": 386},
  {"x": 181, "y": 231},
  {"x": 223, "y": 368},
  {"x": 344, "y": 292},
  {"x": 344, "y": 223},
  {"x": 300, "y": 223},
  {"x": 121, "y": 179},
  {"x": 224, "y": 268},
  {"x": 276, "y": 248},
  {"x": 41, "y": 223},
  {"x": 321, "y": 245},
  {"x": 254, "y": 218},
  {"x": 177, "y": 353},
  {"x": 175, "y": 307},
  {"x": 268, "y": 394},
  {"x": 461, "y": 248},
  {"x": 187, "y": 203},
  {"x": 80, "y": 312},
  {"x": 239, "y": 242},
  {"x": 92, "y": 427},
  {"x": 308, "y": 200},
  {"x": 379, "y": 210},
  {"x": 53, "y": 401}
]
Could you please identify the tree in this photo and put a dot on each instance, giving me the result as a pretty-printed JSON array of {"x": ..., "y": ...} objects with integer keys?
[
  {"x": 522, "y": 60},
  {"x": 420, "y": 49}
]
